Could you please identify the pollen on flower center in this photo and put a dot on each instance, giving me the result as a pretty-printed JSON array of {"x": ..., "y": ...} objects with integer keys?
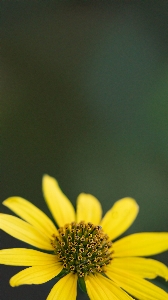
[{"x": 83, "y": 248}]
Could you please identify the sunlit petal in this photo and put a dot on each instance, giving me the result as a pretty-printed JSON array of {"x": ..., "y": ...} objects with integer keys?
[
  {"x": 65, "y": 288},
  {"x": 101, "y": 288},
  {"x": 88, "y": 209},
  {"x": 26, "y": 257},
  {"x": 136, "y": 286},
  {"x": 24, "y": 232},
  {"x": 31, "y": 214},
  {"x": 143, "y": 267},
  {"x": 36, "y": 274},
  {"x": 59, "y": 205},
  {"x": 120, "y": 217},
  {"x": 141, "y": 244}
]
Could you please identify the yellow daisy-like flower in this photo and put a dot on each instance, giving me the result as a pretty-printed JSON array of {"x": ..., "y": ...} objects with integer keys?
[{"x": 83, "y": 248}]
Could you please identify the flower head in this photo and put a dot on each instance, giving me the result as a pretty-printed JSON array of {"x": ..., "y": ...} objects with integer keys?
[{"x": 82, "y": 248}]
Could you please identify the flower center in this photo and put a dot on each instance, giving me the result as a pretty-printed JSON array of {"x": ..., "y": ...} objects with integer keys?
[{"x": 83, "y": 248}]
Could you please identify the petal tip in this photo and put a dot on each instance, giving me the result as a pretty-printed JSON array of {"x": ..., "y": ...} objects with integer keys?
[
  {"x": 47, "y": 179},
  {"x": 12, "y": 200},
  {"x": 132, "y": 201},
  {"x": 6, "y": 201},
  {"x": 12, "y": 284}
]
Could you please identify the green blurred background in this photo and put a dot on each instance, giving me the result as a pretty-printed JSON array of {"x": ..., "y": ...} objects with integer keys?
[{"x": 85, "y": 99}]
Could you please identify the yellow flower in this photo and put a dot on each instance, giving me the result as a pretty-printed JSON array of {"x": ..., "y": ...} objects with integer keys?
[{"x": 81, "y": 249}]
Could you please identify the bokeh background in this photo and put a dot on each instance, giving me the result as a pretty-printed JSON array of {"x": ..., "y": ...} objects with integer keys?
[{"x": 85, "y": 99}]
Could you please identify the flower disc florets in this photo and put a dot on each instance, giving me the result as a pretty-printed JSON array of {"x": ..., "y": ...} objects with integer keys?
[{"x": 83, "y": 248}]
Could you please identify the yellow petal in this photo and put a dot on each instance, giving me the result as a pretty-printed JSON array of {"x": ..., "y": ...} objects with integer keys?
[
  {"x": 65, "y": 288},
  {"x": 88, "y": 209},
  {"x": 24, "y": 232},
  {"x": 143, "y": 267},
  {"x": 136, "y": 286},
  {"x": 36, "y": 274},
  {"x": 59, "y": 205},
  {"x": 26, "y": 257},
  {"x": 101, "y": 288},
  {"x": 120, "y": 217},
  {"x": 141, "y": 244},
  {"x": 31, "y": 214}
]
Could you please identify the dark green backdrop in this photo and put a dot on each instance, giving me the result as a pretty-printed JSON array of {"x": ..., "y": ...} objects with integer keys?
[{"x": 85, "y": 99}]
